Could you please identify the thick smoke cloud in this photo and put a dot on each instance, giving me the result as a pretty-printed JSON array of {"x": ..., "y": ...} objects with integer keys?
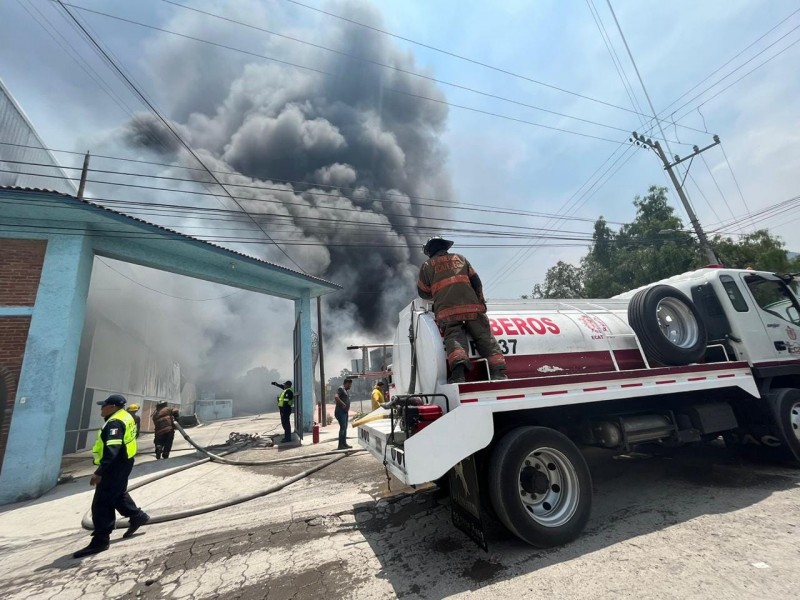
[
  {"x": 277, "y": 122},
  {"x": 288, "y": 134}
]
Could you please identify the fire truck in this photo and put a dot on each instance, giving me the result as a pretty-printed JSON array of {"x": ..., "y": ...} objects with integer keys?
[{"x": 707, "y": 354}]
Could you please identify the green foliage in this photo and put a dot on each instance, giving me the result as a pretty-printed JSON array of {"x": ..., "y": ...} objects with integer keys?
[
  {"x": 562, "y": 281},
  {"x": 652, "y": 247},
  {"x": 758, "y": 250}
]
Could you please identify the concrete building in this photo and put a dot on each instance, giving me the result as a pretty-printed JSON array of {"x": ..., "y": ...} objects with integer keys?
[{"x": 48, "y": 241}]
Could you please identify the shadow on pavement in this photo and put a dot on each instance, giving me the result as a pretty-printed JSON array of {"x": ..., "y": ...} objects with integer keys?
[
  {"x": 81, "y": 484},
  {"x": 423, "y": 555}
]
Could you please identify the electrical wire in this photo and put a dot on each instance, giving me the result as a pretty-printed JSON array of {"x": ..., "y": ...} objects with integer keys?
[
  {"x": 264, "y": 187},
  {"x": 719, "y": 189},
  {"x": 464, "y": 58},
  {"x": 327, "y": 74},
  {"x": 370, "y": 61},
  {"x": 735, "y": 180},
  {"x": 163, "y": 293},
  {"x": 166, "y": 123}
]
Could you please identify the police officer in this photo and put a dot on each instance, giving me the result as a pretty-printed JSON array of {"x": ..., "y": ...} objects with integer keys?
[
  {"x": 113, "y": 454},
  {"x": 457, "y": 293},
  {"x": 285, "y": 407}
]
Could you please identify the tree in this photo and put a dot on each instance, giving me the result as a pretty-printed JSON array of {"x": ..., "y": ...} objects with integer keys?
[
  {"x": 652, "y": 247},
  {"x": 758, "y": 250},
  {"x": 561, "y": 281}
]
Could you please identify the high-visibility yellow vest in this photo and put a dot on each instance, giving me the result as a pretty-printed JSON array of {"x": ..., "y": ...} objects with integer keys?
[
  {"x": 129, "y": 437},
  {"x": 282, "y": 398}
]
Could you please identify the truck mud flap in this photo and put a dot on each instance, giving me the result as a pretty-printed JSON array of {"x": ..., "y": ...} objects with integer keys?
[{"x": 465, "y": 501}]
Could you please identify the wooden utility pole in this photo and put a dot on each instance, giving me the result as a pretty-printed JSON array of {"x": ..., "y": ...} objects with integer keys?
[{"x": 669, "y": 168}]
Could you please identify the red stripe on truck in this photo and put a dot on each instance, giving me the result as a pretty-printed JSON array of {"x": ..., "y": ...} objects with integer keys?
[
  {"x": 511, "y": 397},
  {"x": 468, "y": 400}
]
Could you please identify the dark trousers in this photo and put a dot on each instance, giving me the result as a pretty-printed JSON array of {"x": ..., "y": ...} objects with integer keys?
[
  {"x": 164, "y": 444},
  {"x": 286, "y": 413},
  {"x": 456, "y": 345},
  {"x": 111, "y": 495},
  {"x": 341, "y": 418}
]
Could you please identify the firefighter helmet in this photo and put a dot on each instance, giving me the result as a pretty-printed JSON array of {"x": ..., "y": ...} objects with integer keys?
[
  {"x": 133, "y": 407},
  {"x": 435, "y": 244}
]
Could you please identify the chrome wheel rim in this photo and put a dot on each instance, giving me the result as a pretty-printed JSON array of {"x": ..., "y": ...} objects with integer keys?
[
  {"x": 794, "y": 418},
  {"x": 548, "y": 487},
  {"x": 677, "y": 323}
]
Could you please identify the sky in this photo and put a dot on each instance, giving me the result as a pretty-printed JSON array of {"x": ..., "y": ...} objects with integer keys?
[{"x": 498, "y": 164}]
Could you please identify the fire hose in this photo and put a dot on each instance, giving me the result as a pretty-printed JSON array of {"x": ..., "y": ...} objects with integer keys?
[{"x": 86, "y": 522}]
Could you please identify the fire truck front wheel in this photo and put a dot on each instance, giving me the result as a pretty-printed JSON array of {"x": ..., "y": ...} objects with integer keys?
[{"x": 540, "y": 486}]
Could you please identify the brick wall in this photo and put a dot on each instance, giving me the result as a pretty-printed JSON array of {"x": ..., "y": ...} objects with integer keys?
[
  {"x": 20, "y": 268},
  {"x": 13, "y": 337}
]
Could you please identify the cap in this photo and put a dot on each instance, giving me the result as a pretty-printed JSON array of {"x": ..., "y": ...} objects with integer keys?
[
  {"x": 113, "y": 400},
  {"x": 380, "y": 383},
  {"x": 133, "y": 407},
  {"x": 288, "y": 383}
]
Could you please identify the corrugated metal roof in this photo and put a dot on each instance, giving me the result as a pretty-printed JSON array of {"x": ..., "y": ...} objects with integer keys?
[
  {"x": 81, "y": 202},
  {"x": 23, "y": 145}
]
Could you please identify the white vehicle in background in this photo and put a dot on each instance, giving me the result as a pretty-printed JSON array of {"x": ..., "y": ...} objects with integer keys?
[{"x": 707, "y": 353}]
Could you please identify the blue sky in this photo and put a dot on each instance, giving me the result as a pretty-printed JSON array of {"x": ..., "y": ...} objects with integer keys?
[{"x": 493, "y": 161}]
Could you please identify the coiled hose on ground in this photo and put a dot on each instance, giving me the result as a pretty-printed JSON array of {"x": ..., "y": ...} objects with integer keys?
[{"x": 86, "y": 522}]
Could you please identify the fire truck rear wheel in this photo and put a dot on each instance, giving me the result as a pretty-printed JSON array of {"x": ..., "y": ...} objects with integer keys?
[
  {"x": 668, "y": 325},
  {"x": 540, "y": 486}
]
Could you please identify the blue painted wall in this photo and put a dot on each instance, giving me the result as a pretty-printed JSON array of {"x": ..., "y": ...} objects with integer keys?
[{"x": 36, "y": 438}]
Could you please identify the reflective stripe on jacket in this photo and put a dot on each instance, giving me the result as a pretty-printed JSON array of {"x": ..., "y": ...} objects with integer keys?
[
  {"x": 453, "y": 285},
  {"x": 283, "y": 399},
  {"x": 129, "y": 437}
]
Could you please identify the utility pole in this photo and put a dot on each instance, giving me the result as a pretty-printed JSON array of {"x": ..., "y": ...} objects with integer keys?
[
  {"x": 668, "y": 167},
  {"x": 84, "y": 173},
  {"x": 323, "y": 414}
]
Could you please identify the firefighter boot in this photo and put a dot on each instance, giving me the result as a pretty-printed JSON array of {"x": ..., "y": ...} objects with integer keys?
[
  {"x": 495, "y": 374},
  {"x": 457, "y": 373}
]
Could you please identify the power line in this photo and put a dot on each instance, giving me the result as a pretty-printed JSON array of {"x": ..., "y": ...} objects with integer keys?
[
  {"x": 714, "y": 179},
  {"x": 331, "y": 208},
  {"x": 147, "y": 287},
  {"x": 166, "y": 123},
  {"x": 388, "y": 193},
  {"x": 274, "y": 201},
  {"x": 736, "y": 181},
  {"x": 696, "y": 96},
  {"x": 461, "y": 57},
  {"x": 626, "y": 84},
  {"x": 321, "y": 72},
  {"x": 377, "y": 63}
]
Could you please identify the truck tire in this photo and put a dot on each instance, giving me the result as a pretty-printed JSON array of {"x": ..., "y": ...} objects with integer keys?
[
  {"x": 668, "y": 325},
  {"x": 540, "y": 486},
  {"x": 785, "y": 405}
]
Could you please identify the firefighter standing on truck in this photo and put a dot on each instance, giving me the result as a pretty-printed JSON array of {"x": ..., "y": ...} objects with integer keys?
[
  {"x": 457, "y": 293},
  {"x": 113, "y": 454},
  {"x": 285, "y": 407}
]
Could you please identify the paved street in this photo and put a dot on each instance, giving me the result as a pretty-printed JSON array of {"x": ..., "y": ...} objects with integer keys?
[{"x": 695, "y": 524}]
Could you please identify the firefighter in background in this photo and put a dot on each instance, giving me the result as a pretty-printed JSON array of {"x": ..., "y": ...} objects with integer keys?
[
  {"x": 285, "y": 407},
  {"x": 164, "y": 426},
  {"x": 113, "y": 454},
  {"x": 133, "y": 409},
  {"x": 457, "y": 293},
  {"x": 378, "y": 396}
]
